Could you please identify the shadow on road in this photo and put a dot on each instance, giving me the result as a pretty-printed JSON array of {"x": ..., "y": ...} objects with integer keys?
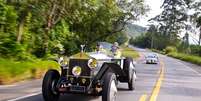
[
  {"x": 78, "y": 97},
  {"x": 65, "y": 97}
]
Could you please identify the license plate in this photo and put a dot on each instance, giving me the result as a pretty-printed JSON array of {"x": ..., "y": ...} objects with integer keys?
[{"x": 77, "y": 88}]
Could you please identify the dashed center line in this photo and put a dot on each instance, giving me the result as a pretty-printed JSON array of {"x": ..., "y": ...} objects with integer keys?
[
  {"x": 143, "y": 97},
  {"x": 157, "y": 86}
]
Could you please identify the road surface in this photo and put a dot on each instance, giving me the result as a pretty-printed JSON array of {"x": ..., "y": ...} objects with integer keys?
[{"x": 171, "y": 80}]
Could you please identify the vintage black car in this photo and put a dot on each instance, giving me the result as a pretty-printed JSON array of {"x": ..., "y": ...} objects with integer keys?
[{"x": 92, "y": 73}]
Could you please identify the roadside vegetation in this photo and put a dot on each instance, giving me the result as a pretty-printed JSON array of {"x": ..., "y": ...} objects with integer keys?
[
  {"x": 165, "y": 36},
  {"x": 13, "y": 71},
  {"x": 129, "y": 52},
  {"x": 32, "y": 31},
  {"x": 192, "y": 57},
  {"x": 186, "y": 57}
]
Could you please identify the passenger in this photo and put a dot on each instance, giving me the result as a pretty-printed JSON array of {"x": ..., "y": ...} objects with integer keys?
[{"x": 116, "y": 50}]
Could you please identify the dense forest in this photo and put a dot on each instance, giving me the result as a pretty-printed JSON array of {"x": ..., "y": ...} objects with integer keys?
[{"x": 35, "y": 28}]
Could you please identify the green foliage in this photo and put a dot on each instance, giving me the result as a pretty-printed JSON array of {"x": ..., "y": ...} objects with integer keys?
[
  {"x": 173, "y": 17},
  {"x": 12, "y": 71},
  {"x": 129, "y": 52},
  {"x": 32, "y": 29},
  {"x": 8, "y": 46},
  {"x": 154, "y": 39},
  {"x": 186, "y": 57},
  {"x": 195, "y": 50},
  {"x": 121, "y": 38},
  {"x": 170, "y": 49},
  {"x": 142, "y": 41}
]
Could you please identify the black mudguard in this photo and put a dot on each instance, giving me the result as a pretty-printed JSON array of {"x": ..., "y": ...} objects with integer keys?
[{"x": 109, "y": 67}]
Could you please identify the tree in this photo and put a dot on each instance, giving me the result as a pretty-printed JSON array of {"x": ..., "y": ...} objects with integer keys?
[
  {"x": 196, "y": 16},
  {"x": 7, "y": 30},
  {"x": 34, "y": 27},
  {"x": 199, "y": 26},
  {"x": 152, "y": 30},
  {"x": 172, "y": 19}
]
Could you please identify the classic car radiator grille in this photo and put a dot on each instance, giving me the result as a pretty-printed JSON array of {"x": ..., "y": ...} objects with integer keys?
[
  {"x": 85, "y": 74},
  {"x": 82, "y": 63}
]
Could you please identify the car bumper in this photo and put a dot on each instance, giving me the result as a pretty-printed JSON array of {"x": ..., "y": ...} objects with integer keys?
[{"x": 151, "y": 61}]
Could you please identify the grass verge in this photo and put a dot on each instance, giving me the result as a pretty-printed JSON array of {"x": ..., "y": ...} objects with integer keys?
[
  {"x": 186, "y": 57},
  {"x": 181, "y": 56},
  {"x": 12, "y": 71},
  {"x": 129, "y": 52}
]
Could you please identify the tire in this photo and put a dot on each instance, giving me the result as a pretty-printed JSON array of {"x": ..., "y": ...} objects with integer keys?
[
  {"x": 130, "y": 73},
  {"x": 109, "y": 88},
  {"x": 131, "y": 83},
  {"x": 48, "y": 87}
]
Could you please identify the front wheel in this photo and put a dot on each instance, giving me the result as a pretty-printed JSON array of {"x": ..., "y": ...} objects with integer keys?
[
  {"x": 109, "y": 88},
  {"x": 49, "y": 85}
]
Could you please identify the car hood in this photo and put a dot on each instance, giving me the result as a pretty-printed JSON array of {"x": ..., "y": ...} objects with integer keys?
[
  {"x": 99, "y": 55},
  {"x": 95, "y": 55}
]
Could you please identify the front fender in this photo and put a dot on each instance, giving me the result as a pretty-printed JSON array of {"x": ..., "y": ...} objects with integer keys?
[{"x": 109, "y": 67}]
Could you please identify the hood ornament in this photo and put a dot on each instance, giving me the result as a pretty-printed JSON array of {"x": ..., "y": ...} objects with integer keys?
[{"x": 82, "y": 50}]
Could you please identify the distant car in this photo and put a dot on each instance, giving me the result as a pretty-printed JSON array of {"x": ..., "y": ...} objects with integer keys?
[{"x": 152, "y": 59}]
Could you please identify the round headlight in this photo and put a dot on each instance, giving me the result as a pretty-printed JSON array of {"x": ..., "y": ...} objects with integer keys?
[
  {"x": 62, "y": 61},
  {"x": 92, "y": 63},
  {"x": 76, "y": 71}
]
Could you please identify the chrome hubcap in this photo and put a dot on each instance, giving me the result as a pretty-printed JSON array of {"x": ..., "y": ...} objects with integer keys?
[{"x": 113, "y": 91}]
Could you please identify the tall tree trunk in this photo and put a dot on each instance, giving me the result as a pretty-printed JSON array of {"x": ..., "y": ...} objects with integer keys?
[
  {"x": 48, "y": 27},
  {"x": 20, "y": 30}
]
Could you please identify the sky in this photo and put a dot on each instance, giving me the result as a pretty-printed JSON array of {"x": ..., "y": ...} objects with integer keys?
[{"x": 154, "y": 11}]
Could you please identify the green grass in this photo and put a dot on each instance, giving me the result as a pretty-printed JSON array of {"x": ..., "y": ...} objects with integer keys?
[
  {"x": 129, "y": 52},
  {"x": 12, "y": 71},
  {"x": 181, "y": 56},
  {"x": 186, "y": 57}
]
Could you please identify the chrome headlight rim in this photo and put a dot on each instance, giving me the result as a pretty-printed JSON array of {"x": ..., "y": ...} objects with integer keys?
[
  {"x": 62, "y": 62},
  {"x": 92, "y": 63},
  {"x": 76, "y": 70}
]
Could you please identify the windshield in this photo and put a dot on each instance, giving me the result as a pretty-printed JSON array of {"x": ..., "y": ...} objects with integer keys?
[
  {"x": 151, "y": 56},
  {"x": 106, "y": 45}
]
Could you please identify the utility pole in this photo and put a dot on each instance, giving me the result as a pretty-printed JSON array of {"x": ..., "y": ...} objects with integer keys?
[
  {"x": 152, "y": 40},
  {"x": 199, "y": 42}
]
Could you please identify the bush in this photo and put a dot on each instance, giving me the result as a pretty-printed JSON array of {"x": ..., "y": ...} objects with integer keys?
[
  {"x": 195, "y": 49},
  {"x": 170, "y": 49}
]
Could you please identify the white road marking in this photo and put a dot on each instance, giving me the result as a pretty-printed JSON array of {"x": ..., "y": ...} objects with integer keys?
[
  {"x": 4, "y": 86},
  {"x": 26, "y": 96}
]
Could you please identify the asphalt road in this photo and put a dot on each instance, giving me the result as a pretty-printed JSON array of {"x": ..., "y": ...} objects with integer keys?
[{"x": 170, "y": 80}]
